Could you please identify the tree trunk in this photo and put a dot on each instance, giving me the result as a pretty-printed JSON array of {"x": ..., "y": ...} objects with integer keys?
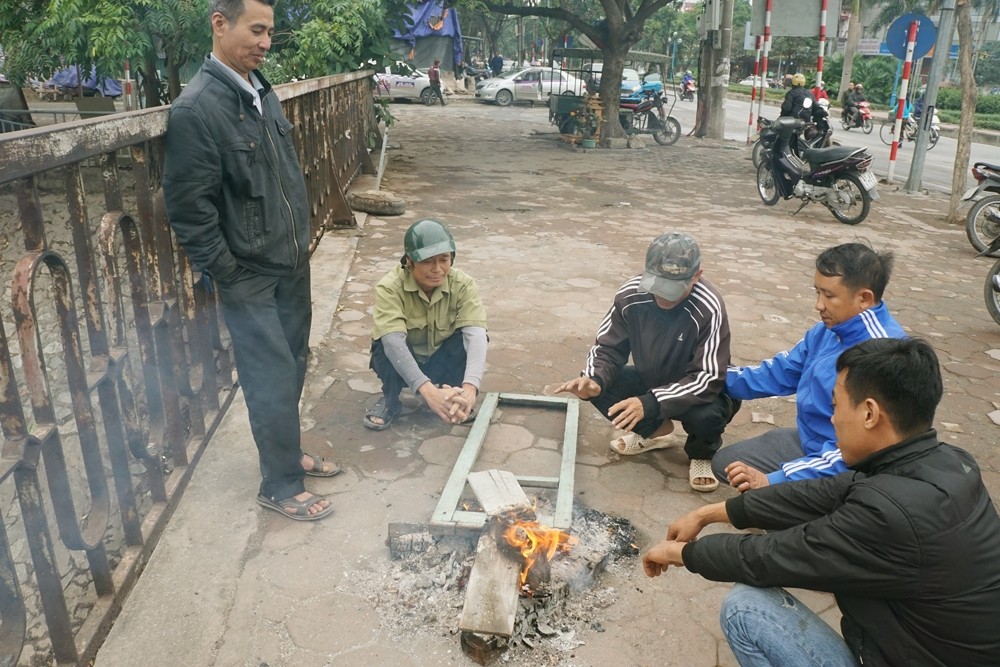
[
  {"x": 720, "y": 76},
  {"x": 614, "y": 52},
  {"x": 850, "y": 48},
  {"x": 707, "y": 65},
  {"x": 970, "y": 93},
  {"x": 173, "y": 78}
]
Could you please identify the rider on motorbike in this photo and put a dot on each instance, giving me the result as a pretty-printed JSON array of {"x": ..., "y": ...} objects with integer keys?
[
  {"x": 852, "y": 107},
  {"x": 798, "y": 101}
]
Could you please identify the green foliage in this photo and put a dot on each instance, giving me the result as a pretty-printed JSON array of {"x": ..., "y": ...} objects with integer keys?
[
  {"x": 41, "y": 36},
  {"x": 951, "y": 99},
  {"x": 321, "y": 37},
  {"x": 988, "y": 65},
  {"x": 877, "y": 73}
]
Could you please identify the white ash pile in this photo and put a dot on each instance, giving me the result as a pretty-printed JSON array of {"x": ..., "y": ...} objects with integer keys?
[{"x": 423, "y": 591}]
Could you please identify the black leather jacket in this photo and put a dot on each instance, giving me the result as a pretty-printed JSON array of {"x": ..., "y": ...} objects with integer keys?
[
  {"x": 909, "y": 544},
  {"x": 232, "y": 184},
  {"x": 794, "y": 104}
]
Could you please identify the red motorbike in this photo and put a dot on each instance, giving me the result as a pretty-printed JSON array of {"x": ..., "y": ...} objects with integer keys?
[
  {"x": 687, "y": 91},
  {"x": 650, "y": 116},
  {"x": 864, "y": 118}
]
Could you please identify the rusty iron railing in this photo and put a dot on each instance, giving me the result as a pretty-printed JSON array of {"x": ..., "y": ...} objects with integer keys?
[{"x": 115, "y": 368}]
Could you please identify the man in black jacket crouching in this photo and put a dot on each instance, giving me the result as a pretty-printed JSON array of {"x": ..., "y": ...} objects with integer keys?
[{"x": 909, "y": 542}]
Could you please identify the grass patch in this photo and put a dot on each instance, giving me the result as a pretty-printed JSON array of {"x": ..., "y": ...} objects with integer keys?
[{"x": 983, "y": 121}]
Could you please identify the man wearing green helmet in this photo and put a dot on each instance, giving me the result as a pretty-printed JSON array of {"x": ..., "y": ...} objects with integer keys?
[{"x": 429, "y": 330}]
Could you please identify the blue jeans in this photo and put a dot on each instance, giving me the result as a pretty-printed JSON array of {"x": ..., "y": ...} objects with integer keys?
[{"x": 768, "y": 627}]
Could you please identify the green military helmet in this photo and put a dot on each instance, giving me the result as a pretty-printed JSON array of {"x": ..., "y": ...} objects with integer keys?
[{"x": 427, "y": 238}]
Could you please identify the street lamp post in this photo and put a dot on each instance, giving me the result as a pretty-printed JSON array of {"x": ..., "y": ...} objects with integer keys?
[{"x": 674, "y": 43}]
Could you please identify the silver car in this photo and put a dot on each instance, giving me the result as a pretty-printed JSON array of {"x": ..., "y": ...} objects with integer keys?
[
  {"x": 400, "y": 81},
  {"x": 529, "y": 84}
]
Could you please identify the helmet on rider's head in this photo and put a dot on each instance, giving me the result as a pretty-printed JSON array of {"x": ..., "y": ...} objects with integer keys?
[
  {"x": 427, "y": 238},
  {"x": 798, "y": 80},
  {"x": 688, "y": 72},
  {"x": 859, "y": 87}
]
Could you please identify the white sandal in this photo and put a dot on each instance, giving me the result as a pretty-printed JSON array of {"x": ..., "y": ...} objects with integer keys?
[
  {"x": 702, "y": 468},
  {"x": 631, "y": 444}
]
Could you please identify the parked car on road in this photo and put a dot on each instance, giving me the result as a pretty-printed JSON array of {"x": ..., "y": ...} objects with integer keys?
[
  {"x": 753, "y": 81},
  {"x": 631, "y": 81},
  {"x": 531, "y": 84},
  {"x": 401, "y": 81}
]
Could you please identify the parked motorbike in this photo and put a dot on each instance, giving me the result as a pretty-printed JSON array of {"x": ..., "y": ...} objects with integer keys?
[
  {"x": 650, "y": 116},
  {"x": 840, "y": 178},
  {"x": 991, "y": 289},
  {"x": 817, "y": 134},
  {"x": 864, "y": 120},
  {"x": 982, "y": 224},
  {"x": 687, "y": 91}
]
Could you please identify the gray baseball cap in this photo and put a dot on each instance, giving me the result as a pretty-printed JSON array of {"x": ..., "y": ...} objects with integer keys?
[{"x": 671, "y": 261}]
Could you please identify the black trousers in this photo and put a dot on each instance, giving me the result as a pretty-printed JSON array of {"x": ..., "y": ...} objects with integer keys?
[
  {"x": 704, "y": 424},
  {"x": 436, "y": 90},
  {"x": 268, "y": 319},
  {"x": 445, "y": 366}
]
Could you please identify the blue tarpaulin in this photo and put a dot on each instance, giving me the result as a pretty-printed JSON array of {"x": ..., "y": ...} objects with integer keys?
[
  {"x": 68, "y": 77},
  {"x": 430, "y": 19}
]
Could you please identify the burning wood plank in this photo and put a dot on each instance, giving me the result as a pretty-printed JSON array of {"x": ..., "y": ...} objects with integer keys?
[{"x": 494, "y": 583}]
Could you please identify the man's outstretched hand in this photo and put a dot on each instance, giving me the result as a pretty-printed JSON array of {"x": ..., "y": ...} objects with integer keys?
[
  {"x": 582, "y": 387},
  {"x": 665, "y": 553},
  {"x": 743, "y": 477}
]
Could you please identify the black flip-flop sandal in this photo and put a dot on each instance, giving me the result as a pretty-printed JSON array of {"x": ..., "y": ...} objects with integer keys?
[
  {"x": 381, "y": 410},
  {"x": 319, "y": 462},
  {"x": 296, "y": 509}
]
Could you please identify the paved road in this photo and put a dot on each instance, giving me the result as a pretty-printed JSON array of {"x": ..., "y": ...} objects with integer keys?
[{"x": 937, "y": 169}]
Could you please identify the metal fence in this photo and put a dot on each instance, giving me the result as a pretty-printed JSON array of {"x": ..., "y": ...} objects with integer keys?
[{"x": 115, "y": 368}]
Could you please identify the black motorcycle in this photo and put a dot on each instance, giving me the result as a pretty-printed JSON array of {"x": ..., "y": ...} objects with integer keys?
[
  {"x": 649, "y": 116},
  {"x": 991, "y": 289},
  {"x": 840, "y": 178},
  {"x": 982, "y": 224},
  {"x": 817, "y": 134}
]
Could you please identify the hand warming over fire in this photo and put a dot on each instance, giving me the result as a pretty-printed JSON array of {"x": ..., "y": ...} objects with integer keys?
[
  {"x": 689, "y": 526},
  {"x": 581, "y": 387},
  {"x": 626, "y": 414},
  {"x": 666, "y": 553}
]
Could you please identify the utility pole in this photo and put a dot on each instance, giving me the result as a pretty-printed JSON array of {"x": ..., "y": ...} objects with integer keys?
[
  {"x": 720, "y": 73},
  {"x": 942, "y": 47}
]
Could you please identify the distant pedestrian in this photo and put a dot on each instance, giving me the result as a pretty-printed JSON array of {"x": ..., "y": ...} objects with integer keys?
[
  {"x": 496, "y": 64},
  {"x": 434, "y": 74}
]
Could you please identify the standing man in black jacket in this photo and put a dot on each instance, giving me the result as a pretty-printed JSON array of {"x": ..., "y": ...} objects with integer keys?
[
  {"x": 909, "y": 543},
  {"x": 237, "y": 202},
  {"x": 674, "y": 325}
]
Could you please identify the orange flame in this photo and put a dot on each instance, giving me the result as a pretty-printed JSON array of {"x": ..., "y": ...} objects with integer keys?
[{"x": 536, "y": 542}]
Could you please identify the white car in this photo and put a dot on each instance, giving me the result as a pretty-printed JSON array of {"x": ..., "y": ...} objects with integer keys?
[
  {"x": 753, "y": 81},
  {"x": 400, "y": 81},
  {"x": 531, "y": 84}
]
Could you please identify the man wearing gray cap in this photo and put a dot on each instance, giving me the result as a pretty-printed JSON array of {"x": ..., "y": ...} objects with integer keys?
[{"x": 673, "y": 323}]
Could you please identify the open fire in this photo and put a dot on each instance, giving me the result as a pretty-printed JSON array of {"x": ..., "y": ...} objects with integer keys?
[{"x": 537, "y": 545}]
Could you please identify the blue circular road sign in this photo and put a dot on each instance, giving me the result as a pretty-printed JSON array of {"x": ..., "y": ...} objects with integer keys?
[{"x": 895, "y": 38}]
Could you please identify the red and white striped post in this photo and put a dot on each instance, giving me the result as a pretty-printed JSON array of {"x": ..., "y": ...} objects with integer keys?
[
  {"x": 753, "y": 90},
  {"x": 822, "y": 44},
  {"x": 767, "y": 50},
  {"x": 128, "y": 86},
  {"x": 904, "y": 87}
]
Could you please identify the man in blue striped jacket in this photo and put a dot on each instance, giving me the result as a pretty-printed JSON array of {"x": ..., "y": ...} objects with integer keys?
[{"x": 850, "y": 280}]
